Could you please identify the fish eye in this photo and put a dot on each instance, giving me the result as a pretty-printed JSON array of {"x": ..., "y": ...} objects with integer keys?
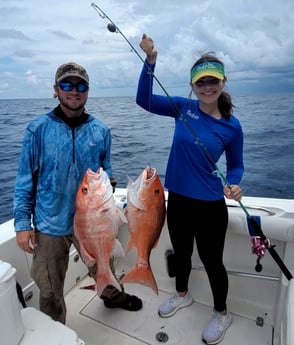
[{"x": 84, "y": 190}]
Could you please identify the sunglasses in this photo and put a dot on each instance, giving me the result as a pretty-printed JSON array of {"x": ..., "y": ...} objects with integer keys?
[
  {"x": 207, "y": 82},
  {"x": 68, "y": 86}
]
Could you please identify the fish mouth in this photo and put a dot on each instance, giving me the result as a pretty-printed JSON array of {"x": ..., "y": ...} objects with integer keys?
[
  {"x": 99, "y": 178},
  {"x": 93, "y": 174},
  {"x": 96, "y": 176},
  {"x": 150, "y": 173}
]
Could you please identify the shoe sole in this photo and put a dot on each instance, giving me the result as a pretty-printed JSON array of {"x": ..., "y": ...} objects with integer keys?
[
  {"x": 222, "y": 337},
  {"x": 175, "y": 310}
]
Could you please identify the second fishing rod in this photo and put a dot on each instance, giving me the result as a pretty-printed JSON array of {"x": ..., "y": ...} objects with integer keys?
[{"x": 112, "y": 27}]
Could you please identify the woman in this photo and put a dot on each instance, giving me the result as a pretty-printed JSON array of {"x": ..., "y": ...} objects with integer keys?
[{"x": 204, "y": 130}]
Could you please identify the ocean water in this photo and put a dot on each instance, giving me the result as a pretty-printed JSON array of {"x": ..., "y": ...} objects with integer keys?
[{"x": 140, "y": 138}]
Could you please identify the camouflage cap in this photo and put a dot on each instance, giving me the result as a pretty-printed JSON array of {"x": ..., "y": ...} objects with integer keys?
[{"x": 71, "y": 69}]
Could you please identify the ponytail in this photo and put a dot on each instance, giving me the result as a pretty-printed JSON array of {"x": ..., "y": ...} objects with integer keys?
[{"x": 225, "y": 105}]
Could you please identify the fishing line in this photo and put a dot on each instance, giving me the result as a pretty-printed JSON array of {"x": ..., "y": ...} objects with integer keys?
[{"x": 112, "y": 27}]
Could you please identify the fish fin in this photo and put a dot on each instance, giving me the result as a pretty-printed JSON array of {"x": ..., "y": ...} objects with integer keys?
[
  {"x": 118, "y": 250},
  {"x": 122, "y": 216},
  {"x": 103, "y": 280},
  {"x": 87, "y": 258},
  {"x": 89, "y": 261},
  {"x": 125, "y": 211},
  {"x": 156, "y": 244},
  {"x": 130, "y": 181},
  {"x": 134, "y": 200},
  {"x": 130, "y": 245},
  {"x": 132, "y": 193},
  {"x": 141, "y": 274}
]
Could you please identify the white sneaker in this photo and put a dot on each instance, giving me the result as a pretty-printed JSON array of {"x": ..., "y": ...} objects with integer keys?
[
  {"x": 216, "y": 327},
  {"x": 174, "y": 303}
]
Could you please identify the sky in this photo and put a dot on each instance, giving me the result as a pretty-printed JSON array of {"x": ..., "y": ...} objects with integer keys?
[{"x": 254, "y": 39}]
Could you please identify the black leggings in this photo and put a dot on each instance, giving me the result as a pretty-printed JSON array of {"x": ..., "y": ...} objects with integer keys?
[{"x": 206, "y": 221}]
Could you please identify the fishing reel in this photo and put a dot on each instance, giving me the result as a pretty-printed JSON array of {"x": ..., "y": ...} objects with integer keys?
[{"x": 259, "y": 248}]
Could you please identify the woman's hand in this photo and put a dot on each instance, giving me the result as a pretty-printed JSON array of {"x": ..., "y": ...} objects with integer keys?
[
  {"x": 233, "y": 192},
  {"x": 147, "y": 46}
]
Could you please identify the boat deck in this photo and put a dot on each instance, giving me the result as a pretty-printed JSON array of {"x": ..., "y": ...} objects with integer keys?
[
  {"x": 262, "y": 303},
  {"x": 96, "y": 324}
]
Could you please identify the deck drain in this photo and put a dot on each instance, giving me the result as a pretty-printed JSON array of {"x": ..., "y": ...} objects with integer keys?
[{"x": 162, "y": 337}]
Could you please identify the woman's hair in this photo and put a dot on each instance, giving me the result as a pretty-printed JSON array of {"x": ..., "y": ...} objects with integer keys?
[{"x": 224, "y": 101}]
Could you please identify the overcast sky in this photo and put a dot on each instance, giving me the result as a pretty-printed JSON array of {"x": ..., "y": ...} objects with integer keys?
[{"x": 255, "y": 40}]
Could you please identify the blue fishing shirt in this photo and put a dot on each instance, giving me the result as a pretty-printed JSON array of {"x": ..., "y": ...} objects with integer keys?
[
  {"x": 189, "y": 172},
  {"x": 53, "y": 161}
]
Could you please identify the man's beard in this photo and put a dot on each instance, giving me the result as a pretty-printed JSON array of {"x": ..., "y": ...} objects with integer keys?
[{"x": 81, "y": 106}]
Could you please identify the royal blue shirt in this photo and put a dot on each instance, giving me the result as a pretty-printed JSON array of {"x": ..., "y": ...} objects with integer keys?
[
  {"x": 53, "y": 161},
  {"x": 189, "y": 171}
]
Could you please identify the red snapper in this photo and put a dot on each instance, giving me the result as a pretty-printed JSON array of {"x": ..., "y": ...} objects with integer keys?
[
  {"x": 146, "y": 216},
  {"x": 96, "y": 224}
]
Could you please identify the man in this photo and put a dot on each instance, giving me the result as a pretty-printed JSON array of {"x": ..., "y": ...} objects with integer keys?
[{"x": 58, "y": 148}]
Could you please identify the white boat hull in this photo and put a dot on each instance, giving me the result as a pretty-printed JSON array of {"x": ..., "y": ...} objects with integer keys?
[{"x": 262, "y": 303}]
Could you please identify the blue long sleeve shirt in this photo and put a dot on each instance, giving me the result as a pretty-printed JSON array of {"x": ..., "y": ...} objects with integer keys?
[
  {"x": 53, "y": 161},
  {"x": 189, "y": 171}
]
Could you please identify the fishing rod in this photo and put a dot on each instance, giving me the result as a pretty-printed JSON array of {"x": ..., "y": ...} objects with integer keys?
[
  {"x": 260, "y": 241},
  {"x": 112, "y": 27}
]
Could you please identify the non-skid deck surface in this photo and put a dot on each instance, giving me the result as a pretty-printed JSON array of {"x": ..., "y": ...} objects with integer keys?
[{"x": 184, "y": 328}]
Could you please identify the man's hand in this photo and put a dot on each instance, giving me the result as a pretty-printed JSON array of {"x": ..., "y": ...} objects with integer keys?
[{"x": 26, "y": 240}]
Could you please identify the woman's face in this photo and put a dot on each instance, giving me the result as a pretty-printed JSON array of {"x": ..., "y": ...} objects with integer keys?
[{"x": 208, "y": 89}]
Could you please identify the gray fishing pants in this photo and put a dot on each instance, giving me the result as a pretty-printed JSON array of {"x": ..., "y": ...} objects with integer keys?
[{"x": 49, "y": 267}]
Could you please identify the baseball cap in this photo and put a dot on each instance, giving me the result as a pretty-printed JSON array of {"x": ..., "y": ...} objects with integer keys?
[{"x": 71, "y": 69}]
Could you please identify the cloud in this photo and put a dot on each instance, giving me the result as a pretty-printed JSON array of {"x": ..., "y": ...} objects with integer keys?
[
  {"x": 254, "y": 39},
  {"x": 62, "y": 35},
  {"x": 14, "y": 35},
  {"x": 31, "y": 78}
]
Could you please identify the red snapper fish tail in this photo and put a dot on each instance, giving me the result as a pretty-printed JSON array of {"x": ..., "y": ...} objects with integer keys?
[
  {"x": 105, "y": 276},
  {"x": 104, "y": 279},
  {"x": 141, "y": 274}
]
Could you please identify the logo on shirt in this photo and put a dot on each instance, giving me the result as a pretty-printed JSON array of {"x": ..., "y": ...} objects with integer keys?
[{"x": 192, "y": 115}]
